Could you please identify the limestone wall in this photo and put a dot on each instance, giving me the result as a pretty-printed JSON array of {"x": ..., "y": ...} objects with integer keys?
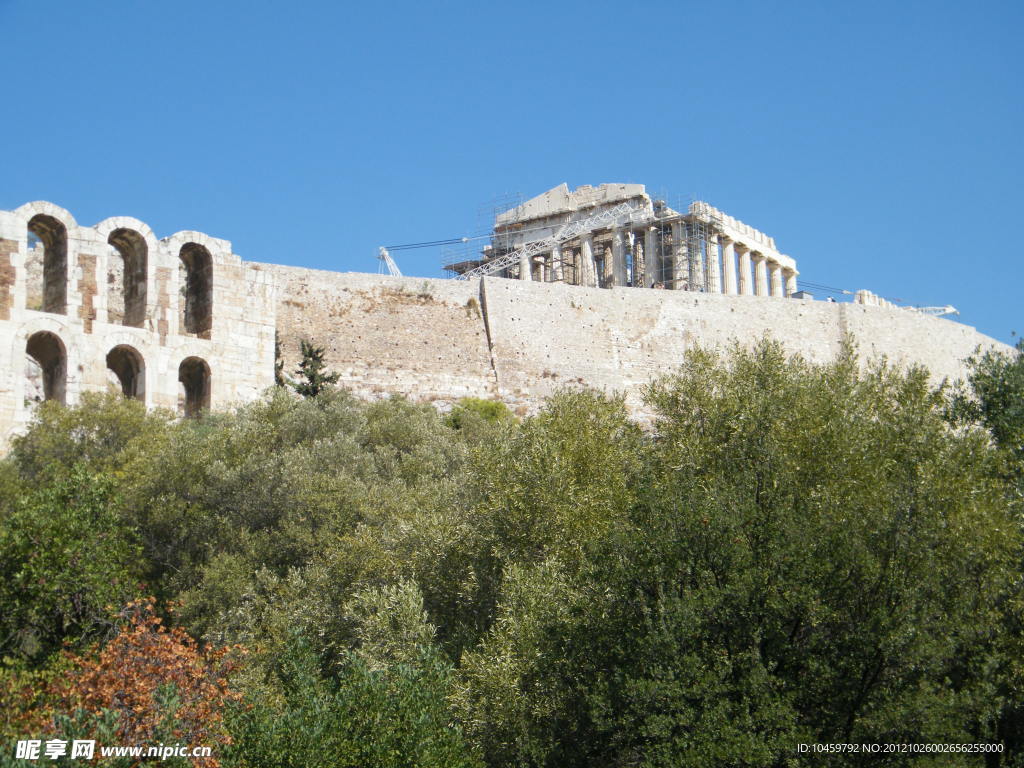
[
  {"x": 545, "y": 336},
  {"x": 426, "y": 338},
  {"x": 422, "y": 338},
  {"x": 70, "y": 302}
]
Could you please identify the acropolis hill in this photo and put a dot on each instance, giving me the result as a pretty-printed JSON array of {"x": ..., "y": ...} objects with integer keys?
[{"x": 600, "y": 287}]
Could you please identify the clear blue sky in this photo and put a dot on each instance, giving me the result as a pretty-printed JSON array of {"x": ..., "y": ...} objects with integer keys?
[{"x": 878, "y": 142}]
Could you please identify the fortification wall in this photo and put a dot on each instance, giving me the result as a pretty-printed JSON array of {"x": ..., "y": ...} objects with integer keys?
[
  {"x": 383, "y": 335},
  {"x": 545, "y": 336},
  {"x": 429, "y": 339}
]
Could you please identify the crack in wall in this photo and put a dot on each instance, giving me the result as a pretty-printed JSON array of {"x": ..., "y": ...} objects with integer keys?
[{"x": 487, "y": 335}]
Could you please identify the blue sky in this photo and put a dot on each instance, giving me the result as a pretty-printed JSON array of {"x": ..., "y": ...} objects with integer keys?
[{"x": 879, "y": 143}]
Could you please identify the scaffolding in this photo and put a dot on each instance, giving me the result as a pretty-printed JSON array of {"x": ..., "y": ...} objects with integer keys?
[
  {"x": 650, "y": 258},
  {"x": 620, "y": 214},
  {"x": 457, "y": 257},
  {"x": 702, "y": 229}
]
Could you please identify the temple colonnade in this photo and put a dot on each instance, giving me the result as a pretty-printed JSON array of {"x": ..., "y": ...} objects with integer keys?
[{"x": 677, "y": 255}]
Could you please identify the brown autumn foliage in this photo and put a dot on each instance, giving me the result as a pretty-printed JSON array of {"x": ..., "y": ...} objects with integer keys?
[{"x": 131, "y": 676}]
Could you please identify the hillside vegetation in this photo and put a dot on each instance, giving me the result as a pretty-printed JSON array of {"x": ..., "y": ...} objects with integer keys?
[{"x": 795, "y": 554}]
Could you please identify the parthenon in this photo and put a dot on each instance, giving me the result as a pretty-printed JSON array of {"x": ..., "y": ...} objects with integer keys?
[{"x": 616, "y": 235}]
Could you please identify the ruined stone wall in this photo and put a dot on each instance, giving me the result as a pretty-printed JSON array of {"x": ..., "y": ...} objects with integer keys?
[
  {"x": 83, "y": 339},
  {"x": 8, "y": 275}
]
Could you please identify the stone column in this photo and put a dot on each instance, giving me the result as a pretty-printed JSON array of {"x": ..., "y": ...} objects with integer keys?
[
  {"x": 714, "y": 265},
  {"x": 696, "y": 263},
  {"x": 746, "y": 286},
  {"x": 760, "y": 275},
  {"x": 556, "y": 264},
  {"x": 639, "y": 263},
  {"x": 680, "y": 260},
  {"x": 775, "y": 272},
  {"x": 524, "y": 267},
  {"x": 652, "y": 260},
  {"x": 18, "y": 285},
  {"x": 728, "y": 267},
  {"x": 618, "y": 257},
  {"x": 790, "y": 275},
  {"x": 588, "y": 269},
  {"x": 80, "y": 262},
  {"x": 608, "y": 267}
]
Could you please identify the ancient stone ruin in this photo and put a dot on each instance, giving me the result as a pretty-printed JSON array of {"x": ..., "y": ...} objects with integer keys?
[
  {"x": 183, "y": 323},
  {"x": 179, "y": 323},
  {"x": 615, "y": 235}
]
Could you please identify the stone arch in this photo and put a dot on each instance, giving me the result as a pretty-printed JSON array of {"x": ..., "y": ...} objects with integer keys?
[
  {"x": 47, "y": 277},
  {"x": 194, "y": 389},
  {"x": 195, "y": 275},
  {"x": 46, "y": 367},
  {"x": 28, "y": 210},
  {"x": 127, "y": 365},
  {"x": 127, "y": 277}
]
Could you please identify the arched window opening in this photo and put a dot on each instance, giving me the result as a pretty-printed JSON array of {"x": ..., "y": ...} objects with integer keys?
[
  {"x": 46, "y": 366},
  {"x": 47, "y": 265},
  {"x": 194, "y": 387},
  {"x": 195, "y": 276},
  {"x": 126, "y": 278},
  {"x": 127, "y": 372}
]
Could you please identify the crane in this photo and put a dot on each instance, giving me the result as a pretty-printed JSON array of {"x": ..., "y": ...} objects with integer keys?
[
  {"x": 385, "y": 257},
  {"x": 567, "y": 232},
  {"x": 949, "y": 309}
]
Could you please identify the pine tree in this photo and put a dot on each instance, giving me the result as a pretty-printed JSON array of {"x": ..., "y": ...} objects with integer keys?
[
  {"x": 312, "y": 377},
  {"x": 279, "y": 380}
]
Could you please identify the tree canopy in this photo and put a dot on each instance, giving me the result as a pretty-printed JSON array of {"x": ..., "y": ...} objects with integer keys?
[{"x": 790, "y": 553}]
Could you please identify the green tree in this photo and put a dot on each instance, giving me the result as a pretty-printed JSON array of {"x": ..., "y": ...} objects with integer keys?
[
  {"x": 256, "y": 489},
  {"x": 790, "y": 552},
  {"x": 102, "y": 433},
  {"x": 996, "y": 397},
  {"x": 313, "y": 379},
  {"x": 810, "y": 554},
  {"x": 279, "y": 379},
  {"x": 394, "y": 717},
  {"x": 471, "y": 409},
  {"x": 66, "y": 560}
]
